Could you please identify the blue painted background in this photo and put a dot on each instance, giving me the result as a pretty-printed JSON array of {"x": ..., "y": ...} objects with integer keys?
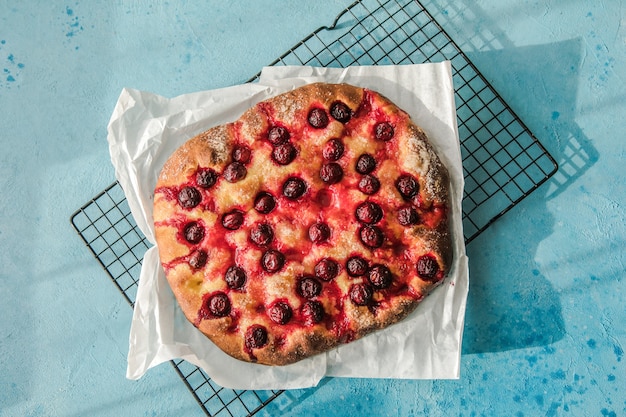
[{"x": 545, "y": 327}]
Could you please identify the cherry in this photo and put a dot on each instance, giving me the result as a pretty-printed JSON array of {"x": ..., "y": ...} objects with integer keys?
[
  {"x": 278, "y": 135},
  {"x": 380, "y": 276},
  {"x": 383, "y": 131},
  {"x": 369, "y": 212},
  {"x": 318, "y": 118},
  {"x": 361, "y": 294},
  {"x": 280, "y": 312},
  {"x": 331, "y": 173},
  {"x": 408, "y": 186},
  {"x": 232, "y": 220},
  {"x": 264, "y": 202},
  {"x": 369, "y": 184},
  {"x": 371, "y": 236},
  {"x": 294, "y": 188},
  {"x": 312, "y": 312},
  {"x": 365, "y": 164},
  {"x": 189, "y": 197},
  {"x": 261, "y": 234},
  {"x": 241, "y": 154},
  {"x": 255, "y": 337},
  {"x": 326, "y": 269},
  {"x": 206, "y": 178},
  {"x": 427, "y": 267},
  {"x": 235, "y": 172},
  {"x": 319, "y": 232},
  {"x": 340, "y": 111},
  {"x": 333, "y": 149},
  {"x": 356, "y": 266},
  {"x": 309, "y": 287},
  {"x": 219, "y": 304},
  {"x": 408, "y": 216},
  {"x": 272, "y": 261},
  {"x": 284, "y": 153},
  {"x": 235, "y": 277},
  {"x": 197, "y": 259},
  {"x": 193, "y": 232}
]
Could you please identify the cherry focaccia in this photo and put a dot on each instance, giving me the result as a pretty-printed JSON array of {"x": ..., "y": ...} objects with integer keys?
[{"x": 319, "y": 216}]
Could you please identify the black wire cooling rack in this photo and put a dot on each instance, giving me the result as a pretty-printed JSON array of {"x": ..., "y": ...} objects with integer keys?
[{"x": 502, "y": 161}]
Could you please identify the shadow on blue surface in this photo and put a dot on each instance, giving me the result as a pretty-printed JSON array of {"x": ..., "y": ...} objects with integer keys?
[{"x": 521, "y": 308}]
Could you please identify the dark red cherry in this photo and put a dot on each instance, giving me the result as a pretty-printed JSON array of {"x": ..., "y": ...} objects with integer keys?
[
  {"x": 278, "y": 135},
  {"x": 369, "y": 212},
  {"x": 380, "y": 276},
  {"x": 193, "y": 232},
  {"x": 284, "y": 154},
  {"x": 383, "y": 131},
  {"x": 280, "y": 312},
  {"x": 326, "y": 269},
  {"x": 408, "y": 216},
  {"x": 371, "y": 236},
  {"x": 232, "y": 220},
  {"x": 319, "y": 232},
  {"x": 264, "y": 202},
  {"x": 219, "y": 304},
  {"x": 309, "y": 287},
  {"x": 189, "y": 197},
  {"x": 333, "y": 149},
  {"x": 312, "y": 312},
  {"x": 340, "y": 111},
  {"x": 356, "y": 266},
  {"x": 318, "y": 118},
  {"x": 206, "y": 178},
  {"x": 272, "y": 261},
  {"x": 369, "y": 184},
  {"x": 235, "y": 172},
  {"x": 361, "y": 294},
  {"x": 365, "y": 164},
  {"x": 427, "y": 267},
  {"x": 408, "y": 186},
  {"x": 241, "y": 154},
  {"x": 235, "y": 277},
  {"x": 331, "y": 173},
  {"x": 197, "y": 259},
  {"x": 255, "y": 337},
  {"x": 261, "y": 234},
  {"x": 294, "y": 188}
]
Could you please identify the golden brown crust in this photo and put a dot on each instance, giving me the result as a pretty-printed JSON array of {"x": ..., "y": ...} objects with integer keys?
[{"x": 196, "y": 284}]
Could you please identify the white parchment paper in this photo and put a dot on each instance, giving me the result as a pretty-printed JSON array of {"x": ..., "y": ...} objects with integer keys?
[{"x": 145, "y": 129}]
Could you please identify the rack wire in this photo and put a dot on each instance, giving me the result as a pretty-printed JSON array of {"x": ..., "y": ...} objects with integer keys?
[{"x": 503, "y": 162}]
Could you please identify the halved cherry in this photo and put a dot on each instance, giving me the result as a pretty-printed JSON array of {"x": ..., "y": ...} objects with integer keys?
[
  {"x": 272, "y": 261},
  {"x": 383, "y": 131},
  {"x": 193, "y": 232},
  {"x": 189, "y": 197},
  {"x": 235, "y": 277},
  {"x": 255, "y": 337},
  {"x": 427, "y": 267},
  {"x": 318, "y": 118},
  {"x": 278, "y": 135},
  {"x": 219, "y": 304},
  {"x": 197, "y": 259},
  {"x": 312, "y": 312},
  {"x": 319, "y": 232},
  {"x": 326, "y": 269},
  {"x": 264, "y": 202},
  {"x": 361, "y": 294},
  {"x": 340, "y": 111},
  {"x": 233, "y": 219},
  {"x": 280, "y": 312}
]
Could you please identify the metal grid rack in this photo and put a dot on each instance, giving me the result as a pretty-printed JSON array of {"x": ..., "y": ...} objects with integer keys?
[{"x": 502, "y": 161}]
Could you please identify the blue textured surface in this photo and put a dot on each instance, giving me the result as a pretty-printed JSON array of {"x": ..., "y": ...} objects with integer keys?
[{"x": 545, "y": 330}]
